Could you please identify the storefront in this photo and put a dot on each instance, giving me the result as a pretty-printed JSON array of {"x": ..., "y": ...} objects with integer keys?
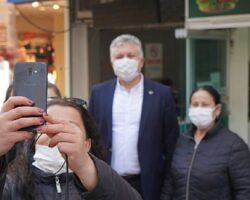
[
  {"x": 218, "y": 54},
  {"x": 39, "y": 33},
  {"x": 164, "y": 55}
]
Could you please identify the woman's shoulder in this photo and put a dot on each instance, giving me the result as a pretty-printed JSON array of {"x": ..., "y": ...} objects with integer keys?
[
  {"x": 218, "y": 133},
  {"x": 230, "y": 135},
  {"x": 233, "y": 140}
]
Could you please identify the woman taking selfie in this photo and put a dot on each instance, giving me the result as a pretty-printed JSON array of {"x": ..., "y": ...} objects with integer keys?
[
  {"x": 210, "y": 162},
  {"x": 39, "y": 170}
]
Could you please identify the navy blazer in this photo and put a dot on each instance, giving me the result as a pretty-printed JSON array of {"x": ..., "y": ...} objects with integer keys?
[{"x": 158, "y": 130}]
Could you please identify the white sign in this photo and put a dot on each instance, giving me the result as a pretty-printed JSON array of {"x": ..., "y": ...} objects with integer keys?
[
  {"x": 5, "y": 79},
  {"x": 7, "y": 25},
  {"x": 153, "y": 60}
]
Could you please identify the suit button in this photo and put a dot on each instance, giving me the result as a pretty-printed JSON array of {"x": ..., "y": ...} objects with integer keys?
[{"x": 110, "y": 149}]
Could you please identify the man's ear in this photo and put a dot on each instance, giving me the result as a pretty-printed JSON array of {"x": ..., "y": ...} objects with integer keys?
[{"x": 141, "y": 63}]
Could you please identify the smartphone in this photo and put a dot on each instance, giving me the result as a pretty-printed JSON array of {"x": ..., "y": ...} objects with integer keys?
[{"x": 30, "y": 80}]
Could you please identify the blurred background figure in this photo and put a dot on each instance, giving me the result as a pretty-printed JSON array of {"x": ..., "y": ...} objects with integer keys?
[{"x": 53, "y": 91}]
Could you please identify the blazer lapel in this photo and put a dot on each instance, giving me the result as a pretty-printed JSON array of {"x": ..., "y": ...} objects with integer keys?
[
  {"x": 148, "y": 96},
  {"x": 109, "y": 107}
]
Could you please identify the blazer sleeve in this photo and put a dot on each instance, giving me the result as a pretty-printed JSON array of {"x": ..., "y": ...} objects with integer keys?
[
  {"x": 239, "y": 170},
  {"x": 171, "y": 128},
  {"x": 110, "y": 185},
  {"x": 91, "y": 102}
]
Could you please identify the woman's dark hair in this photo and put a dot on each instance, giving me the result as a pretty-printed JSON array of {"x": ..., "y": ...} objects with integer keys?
[
  {"x": 55, "y": 89},
  {"x": 20, "y": 169},
  {"x": 211, "y": 90}
]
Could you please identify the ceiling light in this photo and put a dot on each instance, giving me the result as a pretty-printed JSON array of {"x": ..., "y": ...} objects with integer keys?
[
  {"x": 35, "y": 4},
  {"x": 56, "y": 7}
]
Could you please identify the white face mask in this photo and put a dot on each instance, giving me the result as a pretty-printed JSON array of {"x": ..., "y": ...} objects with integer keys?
[
  {"x": 201, "y": 117},
  {"x": 126, "y": 68},
  {"x": 48, "y": 159}
]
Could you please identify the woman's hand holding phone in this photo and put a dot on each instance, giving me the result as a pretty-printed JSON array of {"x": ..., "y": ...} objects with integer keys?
[
  {"x": 30, "y": 80},
  {"x": 13, "y": 117}
]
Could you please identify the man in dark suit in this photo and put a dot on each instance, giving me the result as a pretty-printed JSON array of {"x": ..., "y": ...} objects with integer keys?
[{"x": 137, "y": 119}]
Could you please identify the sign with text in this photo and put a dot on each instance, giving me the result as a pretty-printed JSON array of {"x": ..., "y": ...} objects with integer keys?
[
  {"x": 217, "y": 13},
  {"x": 7, "y": 25},
  {"x": 153, "y": 60},
  {"x": 19, "y": 1}
]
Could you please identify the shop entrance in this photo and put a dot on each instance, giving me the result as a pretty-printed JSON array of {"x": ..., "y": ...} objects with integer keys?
[{"x": 207, "y": 64}]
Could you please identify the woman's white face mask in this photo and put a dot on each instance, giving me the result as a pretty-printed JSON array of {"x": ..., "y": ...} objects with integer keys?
[
  {"x": 48, "y": 159},
  {"x": 201, "y": 117}
]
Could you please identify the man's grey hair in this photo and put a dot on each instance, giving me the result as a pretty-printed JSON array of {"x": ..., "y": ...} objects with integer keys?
[{"x": 124, "y": 39}]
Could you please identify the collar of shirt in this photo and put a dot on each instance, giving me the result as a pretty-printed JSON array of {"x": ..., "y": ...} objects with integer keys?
[{"x": 138, "y": 86}]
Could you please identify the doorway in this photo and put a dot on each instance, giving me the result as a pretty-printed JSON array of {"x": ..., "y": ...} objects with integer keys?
[{"x": 206, "y": 64}]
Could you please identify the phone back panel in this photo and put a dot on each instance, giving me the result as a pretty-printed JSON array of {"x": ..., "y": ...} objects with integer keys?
[{"x": 30, "y": 80}]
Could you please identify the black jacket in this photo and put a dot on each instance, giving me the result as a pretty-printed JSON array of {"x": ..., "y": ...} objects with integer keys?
[
  {"x": 216, "y": 169},
  {"x": 110, "y": 186}
]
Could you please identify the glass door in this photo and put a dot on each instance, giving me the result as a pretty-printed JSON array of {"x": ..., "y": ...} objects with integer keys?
[{"x": 207, "y": 64}]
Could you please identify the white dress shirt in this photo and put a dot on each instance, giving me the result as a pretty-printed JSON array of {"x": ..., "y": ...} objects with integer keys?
[{"x": 126, "y": 116}]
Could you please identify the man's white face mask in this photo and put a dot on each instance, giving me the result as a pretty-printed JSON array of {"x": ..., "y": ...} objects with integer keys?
[
  {"x": 201, "y": 117},
  {"x": 126, "y": 69},
  {"x": 48, "y": 159}
]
